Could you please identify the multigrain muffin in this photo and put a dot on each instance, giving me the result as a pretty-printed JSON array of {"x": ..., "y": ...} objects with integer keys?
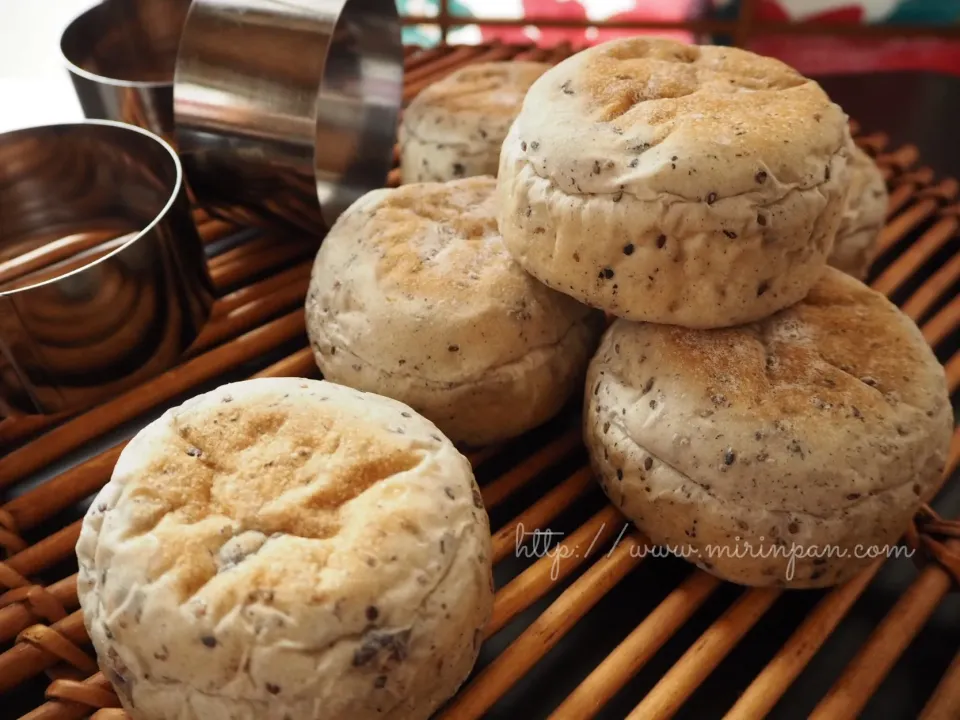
[
  {"x": 671, "y": 183},
  {"x": 776, "y": 449},
  {"x": 413, "y": 296},
  {"x": 287, "y": 549},
  {"x": 866, "y": 210},
  {"x": 455, "y": 127}
]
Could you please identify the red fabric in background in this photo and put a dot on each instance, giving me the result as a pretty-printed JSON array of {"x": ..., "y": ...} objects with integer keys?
[
  {"x": 824, "y": 55},
  {"x": 812, "y": 55}
]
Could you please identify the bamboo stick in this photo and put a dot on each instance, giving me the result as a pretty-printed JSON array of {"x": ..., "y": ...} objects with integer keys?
[
  {"x": 945, "y": 191},
  {"x": 900, "y": 196},
  {"x": 878, "y": 655},
  {"x": 674, "y": 688},
  {"x": 235, "y": 273},
  {"x": 45, "y": 553},
  {"x": 944, "y": 704},
  {"x": 546, "y": 509},
  {"x": 252, "y": 315},
  {"x": 493, "y": 53},
  {"x": 244, "y": 250},
  {"x": 462, "y": 55},
  {"x": 421, "y": 57},
  {"x": 478, "y": 457},
  {"x": 25, "y": 660},
  {"x": 873, "y": 143},
  {"x": 18, "y": 615},
  {"x": 952, "y": 370},
  {"x": 620, "y": 666},
  {"x": 534, "y": 582},
  {"x": 928, "y": 293},
  {"x": 913, "y": 257},
  {"x": 901, "y": 158},
  {"x": 519, "y": 475},
  {"x": 903, "y": 224},
  {"x": 921, "y": 177},
  {"x": 772, "y": 682},
  {"x": 263, "y": 288},
  {"x": 943, "y": 323},
  {"x": 213, "y": 229},
  {"x": 84, "y": 428},
  {"x": 544, "y": 632}
]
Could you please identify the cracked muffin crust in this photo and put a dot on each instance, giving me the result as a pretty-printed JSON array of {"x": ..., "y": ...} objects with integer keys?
[
  {"x": 455, "y": 127},
  {"x": 866, "y": 211},
  {"x": 696, "y": 186},
  {"x": 413, "y": 296},
  {"x": 287, "y": 549},
  {"x": 825, "y": 425}
]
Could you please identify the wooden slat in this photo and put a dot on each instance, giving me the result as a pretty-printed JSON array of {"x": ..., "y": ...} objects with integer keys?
[
  {"x": 544, "y": 632},
  {"x": 944, "y": 704},
  {"x": 534, "y": 582},
  {"x": 538, "y": 515},
  {"x": 877, "y": 656},
  {"x": 774, "y": 680},
  {"x": 702, "y": 658},
  {"x": 635, "y": 651}
]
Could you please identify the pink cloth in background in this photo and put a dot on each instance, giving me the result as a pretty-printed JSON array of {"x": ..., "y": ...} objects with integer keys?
[
  {"x": 822, "y": 55},
  {"x": 810, "y": 54}
]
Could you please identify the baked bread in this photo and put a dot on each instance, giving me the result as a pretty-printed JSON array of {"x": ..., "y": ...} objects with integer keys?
[
  {"x": 791, "y": 441},
  {"x": 286, "y": 549},
  {"x": 413, "y": 296},
  {"x": 671, "y": 183},
  {"x": 455, "y": 127},
  {"x": 866, "y": 210}
]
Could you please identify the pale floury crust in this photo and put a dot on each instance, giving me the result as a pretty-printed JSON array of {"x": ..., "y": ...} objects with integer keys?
[
  {"x": 413, "y": 296},
  {"x": 825, "y": 425},
  {"x": 455, "y": 127},
  {"x": 287, "y": 549},
  {"x": 697, "y": 186},
  {"x": 866, "y": 210}
]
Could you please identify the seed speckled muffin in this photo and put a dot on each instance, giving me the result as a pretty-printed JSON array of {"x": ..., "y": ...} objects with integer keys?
[
  {"x": 413, "y": 296},
  {"x": 455, "y": 127},
  {"x": 671, "y": 183},
  {"x": 823, "y": 426},
  {"x": 866, "y": 210},
  {"x": 287, "y": 549}
]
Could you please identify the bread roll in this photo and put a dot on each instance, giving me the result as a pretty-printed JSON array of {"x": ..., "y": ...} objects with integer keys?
[
  {"x": 455, "y": 127},
  {"x": 866, "y": 211},
  {"x": 413, "y": 296},
  {"x": 670, "y": 183},
  {"x": 286, "y": 549},
  {"x": 801, "y": 436}
]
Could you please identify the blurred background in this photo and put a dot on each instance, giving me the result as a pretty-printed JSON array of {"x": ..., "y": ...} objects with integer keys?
[
  {"x": 819, "y": 37},
  {"x": 816, "y": 36}
]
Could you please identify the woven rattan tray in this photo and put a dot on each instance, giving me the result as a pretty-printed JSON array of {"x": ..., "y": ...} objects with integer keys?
[{"x": 599, "y": 633}]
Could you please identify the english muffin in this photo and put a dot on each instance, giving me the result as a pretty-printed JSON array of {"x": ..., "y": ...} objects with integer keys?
[
  {"x": 671, "y": 183},
  {"x": 455, "y": 127},
  {"x": 413, "y": 296},
  {"x": 866, "y": 210},
  {"x": 286, "y": 549},
  {"x": 779, "y": 452}
]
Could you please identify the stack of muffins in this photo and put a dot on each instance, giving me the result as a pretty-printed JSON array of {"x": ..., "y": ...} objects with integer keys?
[
  {"x": 764, "y": 413},
  {"x": 297, "y": 549}
]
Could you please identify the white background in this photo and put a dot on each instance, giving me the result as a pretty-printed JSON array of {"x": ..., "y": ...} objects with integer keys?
[{"x": 34, "y": 86}]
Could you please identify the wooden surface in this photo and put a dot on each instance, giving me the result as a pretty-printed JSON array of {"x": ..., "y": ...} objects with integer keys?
[{"x": 47, "y": 472}]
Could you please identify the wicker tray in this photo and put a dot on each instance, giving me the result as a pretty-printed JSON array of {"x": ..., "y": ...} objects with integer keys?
[{"x": 586, "y": 636}]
